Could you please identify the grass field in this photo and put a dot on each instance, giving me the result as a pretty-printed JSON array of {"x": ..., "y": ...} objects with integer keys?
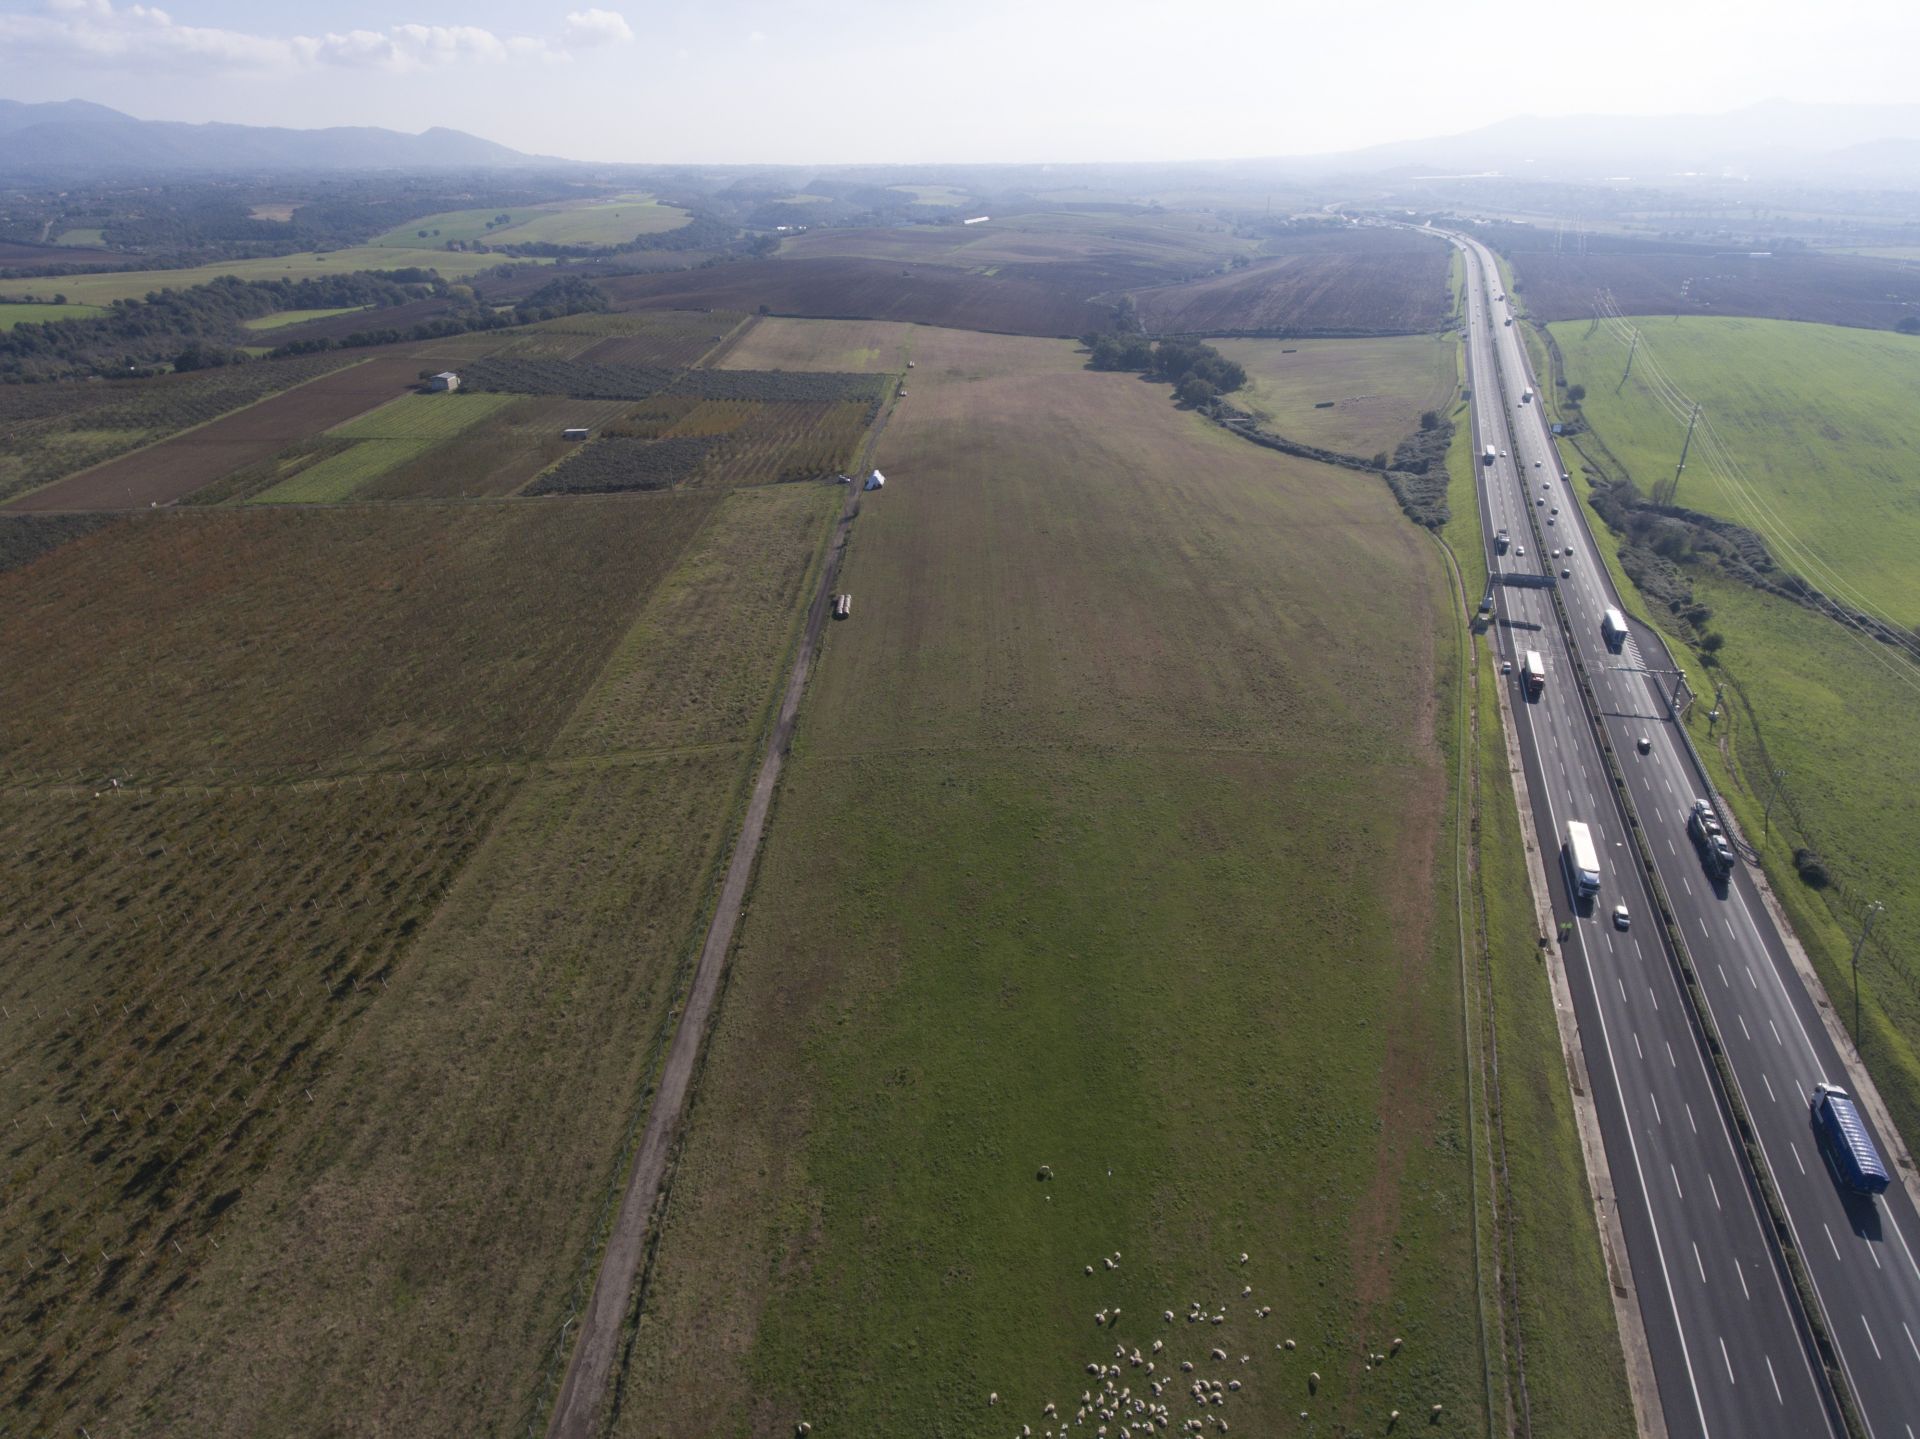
[
  {"x": 80, "y": 237},
  {"x": 399, "y": 431},
  {"x": 1373, "y": 390},
  {"x": 612, "y": 221},
  {"x": 284, "y": 318},
  {"x": 104, "y": 289},
  {"x": 931, "y": 194},
  {"x": 1813, "y": 414},
  {"x": 11, "y": 315},
  {"x": 1086, "y": 859},
  {"x": 468, "y": 1128},
  {"x": 843, "y": 346},
  {"x": 499, "y": 454}
]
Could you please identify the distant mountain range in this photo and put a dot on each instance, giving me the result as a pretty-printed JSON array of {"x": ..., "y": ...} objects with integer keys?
[
  {"x": 76, "y": 137},
  {"x": 1772, "y": 140}
]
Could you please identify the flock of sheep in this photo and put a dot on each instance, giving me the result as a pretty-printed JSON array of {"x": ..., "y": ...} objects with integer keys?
[{"x": 1128, "y": 1398}]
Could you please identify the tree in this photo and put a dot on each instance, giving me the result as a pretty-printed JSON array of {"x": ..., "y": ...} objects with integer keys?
[
  {"x": 1429, "y": 420},
  {"x": 1576, "y": 393},
  {"x": 1712, "y": 642},
  {"x": 1194, "y": 391},
  {"x": 1909, "y": 325}
]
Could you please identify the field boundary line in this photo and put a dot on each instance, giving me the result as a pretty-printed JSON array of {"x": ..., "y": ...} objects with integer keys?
[{"x": 584, "y": 1389}]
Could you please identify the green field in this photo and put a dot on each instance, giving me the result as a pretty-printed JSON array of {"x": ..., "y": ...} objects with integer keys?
[
  {"x": 1372, "y": 391},
  {"x": 80, "y": 237},
  {"x": 284, "y": 318},
  {"x": 1085, "y": 860},
  {"x": 1795, "y": 405},
  {"x": 103, "y": 289},
  {"x": 399, "y": 431},
  {"x": 1816, "y": 417},
  {"x": 612, "y": 221},
  {"x": 11, "y": 315}
]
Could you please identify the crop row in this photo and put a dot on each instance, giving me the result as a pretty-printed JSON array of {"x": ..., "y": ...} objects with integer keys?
[
  {"x": 615, "y": 463},
  {"x": 584, "y": 380}
]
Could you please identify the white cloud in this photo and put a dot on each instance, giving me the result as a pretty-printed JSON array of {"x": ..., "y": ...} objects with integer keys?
[
  {"x": 757, "y": 37},
  {"x": 586, "y": 29},
  {"x": 97, "y": 32}
]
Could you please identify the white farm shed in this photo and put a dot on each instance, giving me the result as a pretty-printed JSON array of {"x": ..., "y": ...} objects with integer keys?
[
  {"x": 445, "y": 380},
  {"x": 875, "y": 481}
]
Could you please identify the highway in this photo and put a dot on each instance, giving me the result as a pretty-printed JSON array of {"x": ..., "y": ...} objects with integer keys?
[
  {"x": 1859, "y": 1253},
  {"x": 1731, "y": 1353}
]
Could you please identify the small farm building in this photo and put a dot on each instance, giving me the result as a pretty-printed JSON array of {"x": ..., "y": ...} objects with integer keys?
[
  {"x": 445, "y": 380},
  {"x": 574, "y": 432},
  {"x": 876, "y": 481}
]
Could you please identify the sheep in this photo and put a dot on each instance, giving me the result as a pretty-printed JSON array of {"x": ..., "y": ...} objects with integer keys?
[
  {"x": 1099, "y": 1318},
  {"x": 1246, "y": 1290},
  {"x": 1313, "y": 1382},
  {"x": 1233, "y": 1386},
  {"x": 1186, "y": 1366},
  {"x": 1219, "y": 1354},
  {"x": 993, "y": 1399},
  {"x": 1158, "y": 1345},
  {"x": 1397, "y": 1342},
  {"x": 1243, "y": 1258},
  {"x": 1109, "y": 1263},
  {"x": 1089, "y": 1269},
  {"x": 803, "y": 1428},
  {"x": 1289, "y": 1344},
  {"x": 1169, "y": 1316}
]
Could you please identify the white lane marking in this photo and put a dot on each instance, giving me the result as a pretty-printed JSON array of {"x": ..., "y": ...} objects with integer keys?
[
  {"x": 1870, "y": 1339},
  {"x": 1636, "y": 1045},
  {"x": 1778, "y": 1396},
  {"x": 1728, "y": 1360},
  {"x": 1769, "y": 1084},
  {"x": 1723, "y": 973},
  {"x": 1873, "y": 1250},
  {"x": 1690, "y": 1124},
  {"x": 1730, "y": 934},
  {"x": 1750, "y": 979},
  {"x": 1623, "y": 988},
  {"x": 1796, "y": 1156},
  {"x": 1714, "y": 1188},
  {"x": 1703, "y": 926},
  {"x": 1699, "y": 1263},
  {"x": 1776, "y": 1035},
  {"x": 1743, "y": 1026},
  {"x": 1656, "y": 1107},
  {"x": 1670, "y": 848},
  {"x": 1654, "y": 997},
  {"x": 1670, "y": 1059},
  {"x": 1676, "y": 1181},
  {"x": 1748, "y": 1293},
  {"x": 1903, "y": 1242},
  {"x": 1830, "y": 1244},
  {"x": 1688, "y": 883},
  {"x": 1910, "y": 1344}
]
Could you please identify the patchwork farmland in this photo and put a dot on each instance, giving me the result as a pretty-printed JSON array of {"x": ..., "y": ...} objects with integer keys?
[{"x": 372, "y": 760}]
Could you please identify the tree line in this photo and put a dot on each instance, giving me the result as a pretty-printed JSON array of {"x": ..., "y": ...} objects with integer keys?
[{"x": 1198, "y": 373}]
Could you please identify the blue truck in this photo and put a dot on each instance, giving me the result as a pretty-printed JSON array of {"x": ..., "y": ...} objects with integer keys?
[{"x": 1847, "y": 1140}]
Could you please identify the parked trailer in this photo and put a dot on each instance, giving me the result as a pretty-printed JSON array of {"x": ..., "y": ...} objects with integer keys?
[
  {"x": 1847, "y": 1140},
  {"x": 1613, "y": 629},
  {"x": 842, "y": 606},
  {"x": 1583, "y": 862}
]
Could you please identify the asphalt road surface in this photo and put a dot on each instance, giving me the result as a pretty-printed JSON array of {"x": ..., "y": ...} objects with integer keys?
[{"x": 1731, "y": 1352}]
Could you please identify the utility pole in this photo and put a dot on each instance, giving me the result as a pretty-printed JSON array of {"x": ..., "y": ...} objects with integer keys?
[
  {"x": 1766, "y": 819},
  {"x": 1685, "y": 445},
  {"x": 1631, "y": 348},
  {"x": 1866, "y": 928}
]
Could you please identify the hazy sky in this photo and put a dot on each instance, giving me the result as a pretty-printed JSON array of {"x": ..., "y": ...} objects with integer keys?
[{"x": 850, "y": 80}]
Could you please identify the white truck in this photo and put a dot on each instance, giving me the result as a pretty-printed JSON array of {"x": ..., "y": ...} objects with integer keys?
[
  {"x": 1583, "y": 862},
  {"x": 1613, "y": 629},
  {"x": 1526, "y": 396}
]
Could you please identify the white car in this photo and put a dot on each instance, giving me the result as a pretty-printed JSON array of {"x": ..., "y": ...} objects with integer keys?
[
  {"x": 1621, "y": 919},
  {"x": 1521, "y": 552},
  {"x": 1536, "y": 464},
  {"x": 1565, "y": 573},
  {"x": 1506, "y": 667},
  {"x": 1539, "y": 499},
  {"x": 1503, "y": 454}
]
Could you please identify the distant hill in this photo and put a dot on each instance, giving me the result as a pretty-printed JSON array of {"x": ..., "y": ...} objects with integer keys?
[
  {"x": 77, "y": 137},
  {"x": 1772, "y": 140}
]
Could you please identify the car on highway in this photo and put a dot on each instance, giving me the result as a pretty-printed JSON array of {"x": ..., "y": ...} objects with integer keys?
[
  {"x": 1565, "y": 573},
  {"x": 1556, "y": 509},
  {"x": 1621, "y": 919},
  {"x": 1506, "y": 667},
  {"x": 1645, "y": 746},
  {"x": 1539, "y": 499},
  {"x": 1536, "y": 464},
  {"x": 1521, "y": 552},
  {"x": 1503, "y": 454}
]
